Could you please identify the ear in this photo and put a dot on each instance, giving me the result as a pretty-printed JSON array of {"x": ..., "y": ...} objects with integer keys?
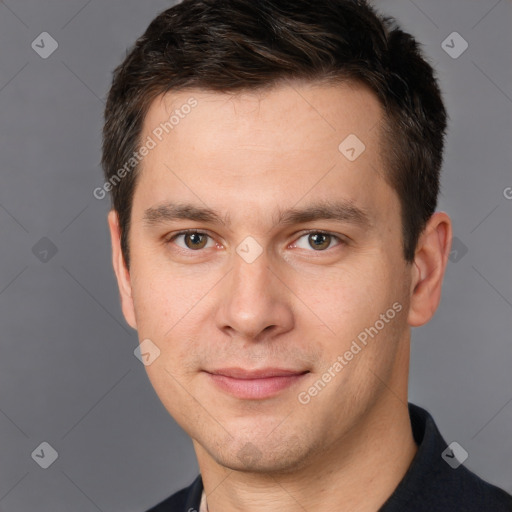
[
  {"x": 122, "y": 273},
  {"x": 429, "y": 267}
]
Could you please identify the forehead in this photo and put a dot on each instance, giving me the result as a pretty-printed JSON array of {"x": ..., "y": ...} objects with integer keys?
[
  {"x": 305, "y": 140},
  {"x": 291, "y": 112}
]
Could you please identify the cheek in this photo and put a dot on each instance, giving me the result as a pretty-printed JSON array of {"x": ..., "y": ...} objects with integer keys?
[
  {"x": 348, "y": 297},
  {"x": 350, "y": 304},
  {"x": 161, "y": 298},
  {"x": 171, "y": 309},
  {"x": 153, "y": 309}
]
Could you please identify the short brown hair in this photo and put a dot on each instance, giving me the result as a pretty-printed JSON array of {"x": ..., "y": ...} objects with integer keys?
[{"x": 237, "y": 45}]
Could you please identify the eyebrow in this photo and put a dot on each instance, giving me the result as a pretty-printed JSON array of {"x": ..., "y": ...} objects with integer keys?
[
  {"x": 171, "y": 211},
  {"x": 341, "y": 211}
]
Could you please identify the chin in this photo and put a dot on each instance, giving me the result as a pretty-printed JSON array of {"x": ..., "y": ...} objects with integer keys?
[{"x": 263, "y": 456}]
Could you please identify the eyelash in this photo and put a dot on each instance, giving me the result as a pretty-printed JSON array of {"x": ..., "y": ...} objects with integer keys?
[{"x": 304, "y": 233}]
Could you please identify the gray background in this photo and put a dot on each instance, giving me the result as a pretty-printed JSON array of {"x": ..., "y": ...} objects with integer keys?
[{"x": 68, "y": 375}]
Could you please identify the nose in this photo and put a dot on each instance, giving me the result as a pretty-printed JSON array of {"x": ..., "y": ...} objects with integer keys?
[{"x": 255, "y": 304}]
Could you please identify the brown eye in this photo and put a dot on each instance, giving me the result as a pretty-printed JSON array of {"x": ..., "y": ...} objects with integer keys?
[
  {"x": 195, "y": 240},
  {"x": 192, "y": 240},
  {"x": 319, "y": 241}
]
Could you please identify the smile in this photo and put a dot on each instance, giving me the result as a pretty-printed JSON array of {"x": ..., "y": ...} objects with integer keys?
[{"x": 256, "y": 384}]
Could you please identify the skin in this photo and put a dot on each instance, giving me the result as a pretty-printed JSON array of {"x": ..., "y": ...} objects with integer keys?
[{"x": 251, "y": 156}]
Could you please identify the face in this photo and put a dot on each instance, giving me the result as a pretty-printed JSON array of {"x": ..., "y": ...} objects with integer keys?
[{"x": 267, "y": 267}]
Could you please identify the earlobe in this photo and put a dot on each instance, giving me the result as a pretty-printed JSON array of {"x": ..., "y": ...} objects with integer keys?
[
  {"x": 429, "y": 268},
  {"x": 122, "y": 273}
]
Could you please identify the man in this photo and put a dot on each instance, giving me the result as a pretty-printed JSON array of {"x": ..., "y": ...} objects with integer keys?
[{"x": 274, "y": 169}]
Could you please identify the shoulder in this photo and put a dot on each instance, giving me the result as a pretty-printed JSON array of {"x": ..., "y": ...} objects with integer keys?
[
  {"x": 463, "y": 487},
  {"x": 438, "y": 481}
]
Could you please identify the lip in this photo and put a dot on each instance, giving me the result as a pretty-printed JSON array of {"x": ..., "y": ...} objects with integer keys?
[{"x": 255, "y": 384}]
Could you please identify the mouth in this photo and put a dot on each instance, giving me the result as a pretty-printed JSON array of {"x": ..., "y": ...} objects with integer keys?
[{"x": 255, "y": 384}]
